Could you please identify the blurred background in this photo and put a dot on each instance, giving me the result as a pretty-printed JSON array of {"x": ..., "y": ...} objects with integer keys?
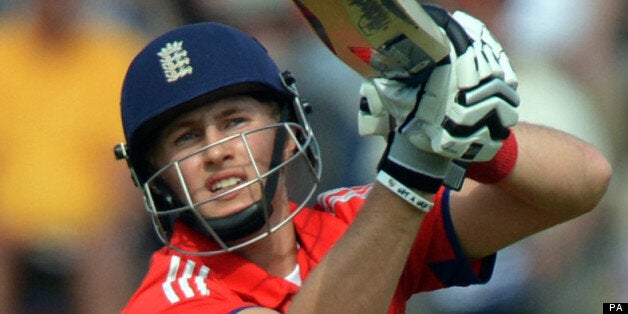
[{"x": 74, "y": 237}]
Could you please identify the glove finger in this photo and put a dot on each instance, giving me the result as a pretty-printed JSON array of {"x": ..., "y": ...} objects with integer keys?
[
  {"x": 472, "y": 26},
  {"x": 509, "y": 74},
  {"x": 478, "y": 31},
  {"x": 491, "y": 58},
  {"x": 483, "y": 64},
  {"x": 467, "y": 73},
  {"x": 370, "y": 100},
  {"x": 431, "y": 109},
  {"x": 487, "y": 49},
  {"x": 494, "y": 87},
  {"x": 489, "y": 39},
  {"x": 464, "y": 121},
  {"x": 467, "y": 119},
  {"x": 371, "y": 125},
  {"x": 398, "y": 98}
]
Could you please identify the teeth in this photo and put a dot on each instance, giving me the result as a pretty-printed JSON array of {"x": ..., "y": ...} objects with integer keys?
[{"x": 225, "y": 183}]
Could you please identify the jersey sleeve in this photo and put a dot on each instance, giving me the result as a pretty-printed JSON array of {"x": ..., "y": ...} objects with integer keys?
[
  {"x": 344, "y": 203},
  {"x": 436, "y": 260}
]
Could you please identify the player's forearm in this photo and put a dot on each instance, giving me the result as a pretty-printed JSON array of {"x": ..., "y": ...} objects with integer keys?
[
  {"x": 557, "y": 172},
  {"x": 361, "y": 272},
  {"x": 556, "y": 178}
]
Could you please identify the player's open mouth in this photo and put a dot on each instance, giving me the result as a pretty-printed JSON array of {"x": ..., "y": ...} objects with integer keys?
[{"x": 225, "y": 183}]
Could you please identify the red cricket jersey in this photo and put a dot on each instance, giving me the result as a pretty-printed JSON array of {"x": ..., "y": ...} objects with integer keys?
[{"x": 228, "y": 283}]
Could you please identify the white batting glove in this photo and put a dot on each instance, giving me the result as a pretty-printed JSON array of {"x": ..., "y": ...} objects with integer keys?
[
  {"x": 403, "y": 167},
  {"x": 465, "y": 108},
  {"x": 481, "y": 98}
]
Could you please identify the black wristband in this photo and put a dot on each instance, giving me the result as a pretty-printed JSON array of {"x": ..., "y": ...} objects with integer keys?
[{"x": 409, "y": 178}]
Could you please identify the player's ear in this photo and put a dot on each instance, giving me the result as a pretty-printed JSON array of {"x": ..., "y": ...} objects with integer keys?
[{"x": 290, "y": 147}]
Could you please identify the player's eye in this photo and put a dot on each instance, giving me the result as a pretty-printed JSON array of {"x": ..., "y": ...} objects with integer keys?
[
  {"x": 235, "y": 122},
  {"x": 185, "y": 138}
]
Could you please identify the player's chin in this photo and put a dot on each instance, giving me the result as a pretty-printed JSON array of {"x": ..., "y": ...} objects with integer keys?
[{"x": 225, "y": 208}]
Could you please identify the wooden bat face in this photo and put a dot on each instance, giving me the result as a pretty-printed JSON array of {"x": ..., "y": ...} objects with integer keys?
[{"x": 395, "y": 38}]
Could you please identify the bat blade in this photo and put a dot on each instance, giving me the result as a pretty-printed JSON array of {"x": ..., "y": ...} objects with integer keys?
[{"x": 395, "y": 38}]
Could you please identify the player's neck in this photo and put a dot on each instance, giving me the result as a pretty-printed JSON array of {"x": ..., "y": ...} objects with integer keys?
[{"x": 277, "y": 253}]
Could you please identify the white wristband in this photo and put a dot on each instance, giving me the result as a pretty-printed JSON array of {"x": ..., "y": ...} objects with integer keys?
[{"x": 404, "y": 192}]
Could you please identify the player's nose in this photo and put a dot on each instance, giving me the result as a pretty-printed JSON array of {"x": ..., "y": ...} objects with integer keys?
[{"x": 219, "y": 150}]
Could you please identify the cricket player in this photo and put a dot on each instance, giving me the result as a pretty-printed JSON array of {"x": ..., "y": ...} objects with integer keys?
[{"x": 215, "y": 134}]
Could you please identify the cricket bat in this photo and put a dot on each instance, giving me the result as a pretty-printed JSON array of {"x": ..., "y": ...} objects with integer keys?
[{"x": 393, "y": 38}]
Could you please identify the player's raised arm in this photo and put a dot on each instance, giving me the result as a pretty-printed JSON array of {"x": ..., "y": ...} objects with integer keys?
[
  {"x": 540, "y": 177},
  {"x": 556, "y": 177},
  {"x": 361, "y": 273}
]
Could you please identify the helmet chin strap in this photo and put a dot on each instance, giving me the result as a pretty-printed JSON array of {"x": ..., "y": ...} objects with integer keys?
[
  {"x": 232, "y": 227},
  {"x": 252, "y": 218}
]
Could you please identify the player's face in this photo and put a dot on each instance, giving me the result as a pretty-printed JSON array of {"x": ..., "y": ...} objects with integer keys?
[{"x": 221, "y": 171}]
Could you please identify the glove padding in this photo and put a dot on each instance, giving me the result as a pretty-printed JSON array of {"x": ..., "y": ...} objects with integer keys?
[{"x": 464, "y": 109}]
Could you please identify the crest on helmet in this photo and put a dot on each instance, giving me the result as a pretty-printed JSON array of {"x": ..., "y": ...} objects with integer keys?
[{"x": 174, "y": 61}]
